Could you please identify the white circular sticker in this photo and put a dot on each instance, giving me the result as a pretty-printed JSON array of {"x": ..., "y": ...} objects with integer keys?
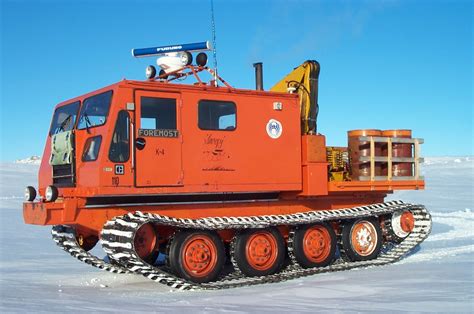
[{"x": 274, "y": 128}]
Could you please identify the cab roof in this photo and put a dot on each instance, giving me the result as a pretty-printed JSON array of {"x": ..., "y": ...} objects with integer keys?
[{"x": 173, "y": 87}]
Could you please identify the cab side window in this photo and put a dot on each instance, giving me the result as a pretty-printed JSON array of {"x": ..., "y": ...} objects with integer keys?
[
  {"x": 216, "y": 115},
  {"x": 158, "y": 113},
  {"x": 120, "y": 146},
  {"x": 92, "y": 148}
]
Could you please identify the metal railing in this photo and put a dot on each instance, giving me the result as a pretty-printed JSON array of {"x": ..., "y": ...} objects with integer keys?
[{"x": 415, "y": 160}]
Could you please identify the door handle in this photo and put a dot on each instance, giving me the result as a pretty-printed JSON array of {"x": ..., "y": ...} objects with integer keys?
[{"x": 140, "y": 143}]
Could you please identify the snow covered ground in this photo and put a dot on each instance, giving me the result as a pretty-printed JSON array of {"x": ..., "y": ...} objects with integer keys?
[{"x": 36, "y": 276}]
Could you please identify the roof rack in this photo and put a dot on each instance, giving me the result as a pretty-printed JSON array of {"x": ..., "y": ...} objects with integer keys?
[{"x": 189, "y": 70}]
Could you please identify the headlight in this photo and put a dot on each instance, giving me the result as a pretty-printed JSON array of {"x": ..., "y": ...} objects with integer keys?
[
  {"x": 186, "y": 58},
  {"x": 30, "y": 194},
  {"x": 201, "y": 59},
  {"x": 150, "y": 72},
  {"x": 51, "y": 193}
]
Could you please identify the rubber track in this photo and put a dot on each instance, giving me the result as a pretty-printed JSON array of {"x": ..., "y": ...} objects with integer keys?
[
  {"x": 65, "y": 237},
  {"x": 117, "y": 241}
]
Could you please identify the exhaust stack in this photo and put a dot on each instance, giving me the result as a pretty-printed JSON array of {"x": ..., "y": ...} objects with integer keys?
[{"x": 258, "y": 75}]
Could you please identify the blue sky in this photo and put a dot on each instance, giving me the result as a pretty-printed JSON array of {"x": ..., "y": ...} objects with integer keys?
[{"x": 384, "y": 64}]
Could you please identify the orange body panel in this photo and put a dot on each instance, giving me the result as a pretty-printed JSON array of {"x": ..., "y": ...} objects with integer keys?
[
  {"x": 314, "y": 165},
  {"x": 313, "y": 148},
  {"x": 315, "y": 179}
]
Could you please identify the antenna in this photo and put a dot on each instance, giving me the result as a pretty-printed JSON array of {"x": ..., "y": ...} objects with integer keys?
[{"x": 214, "y": 49}]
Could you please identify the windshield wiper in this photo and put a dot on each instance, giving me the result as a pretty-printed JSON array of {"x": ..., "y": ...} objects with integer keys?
[{"x": 88, "y": 122}]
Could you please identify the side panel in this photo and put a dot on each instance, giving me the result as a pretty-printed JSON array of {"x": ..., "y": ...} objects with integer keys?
[{"x": 246, "y": 158}]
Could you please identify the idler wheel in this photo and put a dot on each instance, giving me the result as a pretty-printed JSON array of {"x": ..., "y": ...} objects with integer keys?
[
  {"x": 362, "y": 239},
  {"x": 85, "y": 238},
  {"x": 401, "y": 225},
  {"x": 259, "y": 252},
  {"x": 314, "y": 245},
  {"x": 145, "y": 242},
  {"x": 197, "y": 256},
  {"x": 87, "y": 243}
]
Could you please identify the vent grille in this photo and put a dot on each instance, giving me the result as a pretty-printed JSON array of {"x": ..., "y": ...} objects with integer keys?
[{"x": 63, "y": 175}]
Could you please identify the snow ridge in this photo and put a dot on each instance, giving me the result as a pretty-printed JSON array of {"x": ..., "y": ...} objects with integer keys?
[{"x": 34, "y": 160}]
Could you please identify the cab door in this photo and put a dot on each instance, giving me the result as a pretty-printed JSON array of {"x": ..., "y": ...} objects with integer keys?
[{"x": 158, "y": 139}]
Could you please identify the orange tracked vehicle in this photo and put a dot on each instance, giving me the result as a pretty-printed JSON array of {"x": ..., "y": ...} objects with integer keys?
[{"x": 207, "y": 186}]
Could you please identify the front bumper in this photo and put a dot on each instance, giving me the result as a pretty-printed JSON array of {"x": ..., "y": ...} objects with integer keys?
[{"x": 53, "y": 213}]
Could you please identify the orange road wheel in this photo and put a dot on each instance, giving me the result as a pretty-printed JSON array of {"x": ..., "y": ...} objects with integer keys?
[
  {"x": 145, "y": 242},
  {"x": 197, "y": 256},
  {"x": 259, "y": 252},
  {"x": 362, "y": 239},
  {"x": 314, "y": 245}
]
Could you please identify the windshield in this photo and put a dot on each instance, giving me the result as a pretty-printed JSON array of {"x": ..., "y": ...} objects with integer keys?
[
  {"x": 64, "y": 118},
  {"x": 95, "y": 110}
]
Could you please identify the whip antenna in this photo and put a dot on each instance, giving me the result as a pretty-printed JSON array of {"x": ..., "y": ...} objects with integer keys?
[{"x": 214, "y": 50}]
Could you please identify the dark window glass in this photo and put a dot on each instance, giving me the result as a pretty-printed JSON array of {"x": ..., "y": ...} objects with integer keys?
[
  {"x": 64, "y": 118},
  {"x": 158, "y": 113},
  {"x": 92, "y": 148},
  {"x": 94, "y": 110},
  {"x": 120, "y": 146},
  {"x": 216, "y": 115}
]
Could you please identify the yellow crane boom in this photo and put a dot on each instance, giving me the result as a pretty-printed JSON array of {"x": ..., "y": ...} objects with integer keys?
[{"x": 304, "y": 81}]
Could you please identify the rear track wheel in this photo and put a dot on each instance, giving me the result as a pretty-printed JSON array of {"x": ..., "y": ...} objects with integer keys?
[
  {"x": 362, "y": 239},
  {"x": 259, "y": 252},
  {"x": 400, "y": 225}
]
